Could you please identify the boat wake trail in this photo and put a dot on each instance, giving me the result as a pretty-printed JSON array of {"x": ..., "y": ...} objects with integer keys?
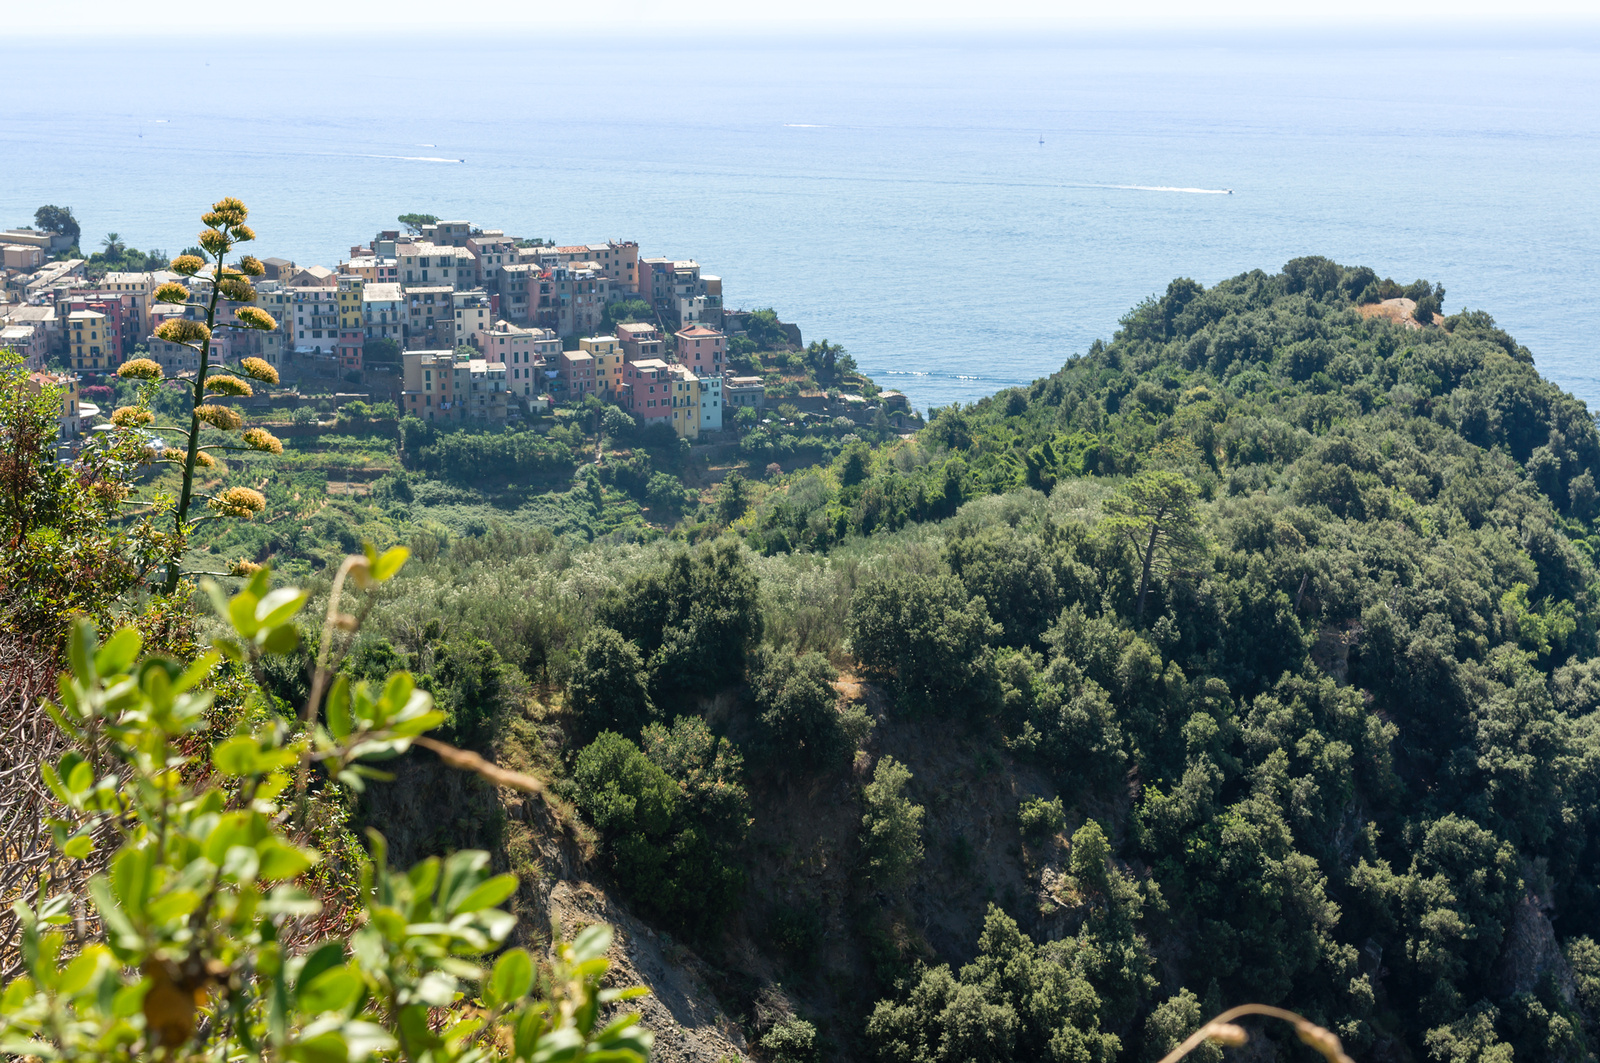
[
  {"x": 406, "y": 158},
  {"x": 1169, "y": 188}
]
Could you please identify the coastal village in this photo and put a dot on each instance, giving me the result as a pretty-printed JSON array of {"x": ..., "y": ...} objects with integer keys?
[{"x": 453, "y": 324}]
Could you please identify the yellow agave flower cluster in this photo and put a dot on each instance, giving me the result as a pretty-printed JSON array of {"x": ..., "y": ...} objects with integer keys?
[
  {"x": 222, "y": 418},
  {"x": 225, "y": 228},
  {"x": 131, "y": 416},
  {"x": 239, "y": 502}
]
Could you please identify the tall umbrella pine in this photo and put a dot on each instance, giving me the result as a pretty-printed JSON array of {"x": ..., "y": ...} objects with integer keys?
[{"x": 215, "y": 287}]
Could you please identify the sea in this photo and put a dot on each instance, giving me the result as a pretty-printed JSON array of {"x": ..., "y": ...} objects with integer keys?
[{"x": 961, "y": 213}]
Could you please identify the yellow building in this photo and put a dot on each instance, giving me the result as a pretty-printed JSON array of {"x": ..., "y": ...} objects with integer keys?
[
  {"x": 352, "y": 314},
  {"x": 685, "y": 402},
  {"x": 608, "y": 359},
  {"x": 89, "y": 345},
  {"x": 139, "y": 286},
  {"x": 71, "y": 413}
]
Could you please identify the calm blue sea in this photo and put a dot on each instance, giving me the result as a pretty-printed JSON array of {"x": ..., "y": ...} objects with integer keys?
[{"x": 892, "y": 196}]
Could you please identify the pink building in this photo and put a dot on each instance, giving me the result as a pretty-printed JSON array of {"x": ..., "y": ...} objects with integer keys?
[
  {"x": 641, "y": 341},
  {"x": 527, "y": 353},
  {"x": 351, "y": 341},
  {"x": 648, "y": 394},
  {"x": 701, "y": 349},
  {"x": 576, "y": 375}
]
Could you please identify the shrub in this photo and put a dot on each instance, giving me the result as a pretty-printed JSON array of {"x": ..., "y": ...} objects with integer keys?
[
  {"x": 791, "y": 1041},
  {"x": 473, "y": 456},
  {"x": 891, "y": 829},
  {"x": 694, "y": 620},
  {"x": 631, "y": 802},
  {"x": 928, "y": 638},
  {"x": 473, "y": 686},
  {"x": 672, "y": 814},
  {"x": 1039, "y": 817},
  {"x": 607, "y": 690},
  {"x": 795, "y": 700}
]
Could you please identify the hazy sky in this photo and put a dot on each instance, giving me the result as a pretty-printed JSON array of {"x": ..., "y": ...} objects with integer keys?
[{"x": 304, "y": 17}]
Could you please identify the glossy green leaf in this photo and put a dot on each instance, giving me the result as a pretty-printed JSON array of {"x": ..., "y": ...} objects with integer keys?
[
  {"x": 332, "y": 990},
  {"x": 281, "y": 605},
  {"x": 281, "y": 861},
  {"x": 488, "y": 894},
  {"x": 119, "y": 651},
  {"x": 281, "y": 639},
  {"x": 130, "y": 878},
  {"x": 80, "y": 970},
  {"x": 80, "y": 779},
  {"x": 17, "y": 991},
  {"x": 397, "y": 691},
  {"x": 175, "y": 905},
  {"x": 239, "y": 755},
  {"x": 338, "y": 707},
  {"x": 196, "y": 672},
  {"x": 326, "y": 1047},
  {"x": 365, "y": 1039},
  {"x": 390, "y": 563},
  {"x": 324, "y": 957},
  {"x": 592, "y": 943},
  {"x": 242, "y": 613},
  {"x": 80, "y": 651},
  {"x": 512, "y": 978}
]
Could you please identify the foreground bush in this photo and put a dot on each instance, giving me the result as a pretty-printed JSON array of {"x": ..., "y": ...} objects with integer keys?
[{"x": 222, "y": 925}]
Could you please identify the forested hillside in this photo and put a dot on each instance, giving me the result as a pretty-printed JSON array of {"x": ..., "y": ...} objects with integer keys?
[{"x": 1249, "y": 657}]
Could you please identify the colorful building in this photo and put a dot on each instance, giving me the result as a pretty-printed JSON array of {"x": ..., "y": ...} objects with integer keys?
[
  {"x": 352, "y": 323},
  {"x": 747, "y": 391},
  {"x": 444, "y": 386},
  {"x": 43, "y": 318},
  {"x": 527, "y": 353},
  {"x": 383, "y": 312},
  {"x": 608, "y": 359},
  {"x": 711, "y": 403},
  {"x": 701, "y": 349},
  {"x": 579, "y": 299},
  {"x": 518, "y": 284},
  {"x": 71, "y": 422},
  {"x": 273, "y": 297},
  {"x": 94, "y": 345},
  {"x": 575, "y": 376},
  {"x": 616, "y": 260},
  {"x": 314, "y": 324},
  {"x": 685, "y": 402},
  {"x": 640, "y": 341},
  {"x": 649, "y": 390},
  {"x": 474, "y": 312},
  {"x": 24, "y": 258},
  {"x": 430, "y": 316},
  {"x": 492, "y": 252},
  {"x": 434, "y": 264},
  {"x": 374, "y": 269},
  {"x": 26, "y": 340},
  {"x": 122, "y": 309}
]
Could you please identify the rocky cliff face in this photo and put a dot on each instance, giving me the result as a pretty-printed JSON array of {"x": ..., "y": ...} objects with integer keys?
[{"x": 429, "y": 808}]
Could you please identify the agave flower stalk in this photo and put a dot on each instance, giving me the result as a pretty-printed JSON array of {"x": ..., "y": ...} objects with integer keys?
[{"x": 225, "y": 229}]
